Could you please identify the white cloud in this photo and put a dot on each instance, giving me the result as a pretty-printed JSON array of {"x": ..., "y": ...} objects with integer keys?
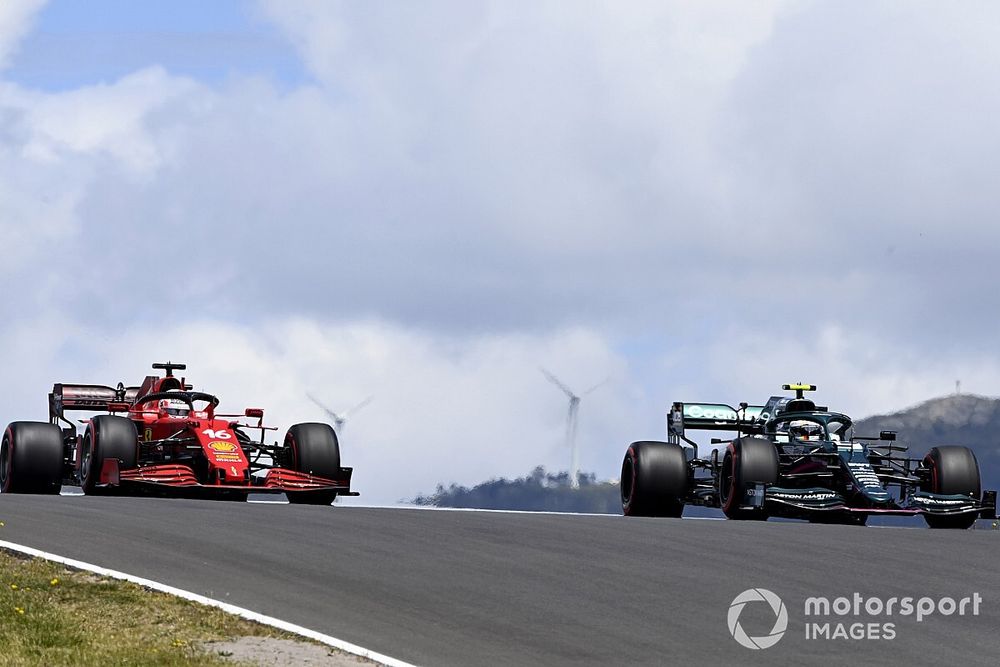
[
  {"x": 105, "y": 119},
  {"x": 16, "y": 18},
  {"x": 495, "y": 166}
]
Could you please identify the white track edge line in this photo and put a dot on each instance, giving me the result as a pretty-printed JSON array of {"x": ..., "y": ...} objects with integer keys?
[{"x": 209, "y": 602}]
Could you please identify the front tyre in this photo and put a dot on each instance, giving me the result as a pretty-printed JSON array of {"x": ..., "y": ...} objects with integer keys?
[
  {"x": 654, "y": 479},
  {"x": 313, "y": 449},
  {"x": 953, "y": 470},
  {"x": 31, "y": 458},
  {"x": 748, "y": 461}
]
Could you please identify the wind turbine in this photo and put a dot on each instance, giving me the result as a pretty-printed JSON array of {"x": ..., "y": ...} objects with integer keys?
[
  {"x": 339, "y": 419},
  {"x": 571, "y": 420}
]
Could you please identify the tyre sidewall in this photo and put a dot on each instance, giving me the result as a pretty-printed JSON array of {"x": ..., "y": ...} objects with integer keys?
[
  {"x": 954, "y": 469},
  {"x": 748, "y": 461},
  {"x": 33, "y": 457},
  {"x": 654, "y": 479},
  {"x": 107, "y": 437},
  {"x": 313, "y": 449},
  {"x": 7, "y": 461}
]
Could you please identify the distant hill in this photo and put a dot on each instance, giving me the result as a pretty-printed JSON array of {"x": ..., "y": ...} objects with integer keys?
[
  {"x": 959, "y": 419},
  {"x": 539, "y": 491}
]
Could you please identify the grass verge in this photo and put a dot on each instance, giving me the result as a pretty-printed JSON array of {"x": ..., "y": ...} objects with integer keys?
[{"x": 53, "y": 616}]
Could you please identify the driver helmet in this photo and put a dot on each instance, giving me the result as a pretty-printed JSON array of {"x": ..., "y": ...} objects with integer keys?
[
  {"x": 174, "y": 407},
  {"x": 802, "y": 429}
]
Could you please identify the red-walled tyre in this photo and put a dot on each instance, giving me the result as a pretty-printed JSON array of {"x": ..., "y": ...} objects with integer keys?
[
  {"x": 313, "y": 449},
  {"x": 953, "y": 470},
  {"x": 31, "y": 458},
  {"x": 747, "y": 461},
  {"x": 107, "y": 437},
  {"x": 654, "y": 479}
]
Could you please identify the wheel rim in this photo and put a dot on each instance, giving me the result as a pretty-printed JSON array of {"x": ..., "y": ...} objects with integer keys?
[
  {"x": 85, "y": 460},
  {"x": 628, "y": 473},
  {"x": 4, "y": 463},
  {"x": 726, "y": 480}
]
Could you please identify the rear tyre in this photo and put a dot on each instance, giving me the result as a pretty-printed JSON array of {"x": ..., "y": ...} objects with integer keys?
[
  {"x": 107, "y": 437},
  {"x": 747, "y": 461},
  {"x": 31, "y": 458},
  {"x": 313, "y": 449},
  {"x": 953, "y": 470},
  {"x": 654, "y": 479}
]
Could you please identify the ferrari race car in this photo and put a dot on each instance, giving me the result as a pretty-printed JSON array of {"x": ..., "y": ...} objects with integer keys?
[
  {"x": 163, "y": 437},
  {"x": 790, "y": 458}
]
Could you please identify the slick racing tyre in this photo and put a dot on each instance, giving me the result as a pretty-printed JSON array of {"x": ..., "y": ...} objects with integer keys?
[
  {"x": 313, "y": 449},
  {"x": 747, "y": 461},
  {"x": 31, "y": 458},
  {"x": 953, "y": 469},
  {"x": 107, "y": 437},
  {"x": 654, "y": 479}
]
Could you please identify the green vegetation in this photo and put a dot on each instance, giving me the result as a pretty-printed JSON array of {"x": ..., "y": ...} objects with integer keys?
[
  {"x": 53, "y": 616},
  {"x": 539, "y": 491}
]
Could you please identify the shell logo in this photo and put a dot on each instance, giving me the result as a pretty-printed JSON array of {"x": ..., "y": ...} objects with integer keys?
[{"x": 222, "y": 446}]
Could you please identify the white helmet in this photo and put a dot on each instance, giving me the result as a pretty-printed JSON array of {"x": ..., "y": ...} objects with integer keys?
[
  {"x": 802, "y": 429},
  {"x": 174, "y": 407}
]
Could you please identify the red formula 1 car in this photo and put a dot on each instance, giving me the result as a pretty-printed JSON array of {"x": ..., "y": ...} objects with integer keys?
[{"x": 164, "y": 437}]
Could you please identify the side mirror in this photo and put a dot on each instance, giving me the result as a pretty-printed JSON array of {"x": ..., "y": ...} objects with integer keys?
[
  {"x": 887, "y": 435},
  {"x": 254, "y": 413}
]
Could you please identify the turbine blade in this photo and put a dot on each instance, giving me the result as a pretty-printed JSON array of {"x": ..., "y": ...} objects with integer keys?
[
  {"x": 358, "y": 406},
  {"x": 330, "y": 413},
  {"x": 554, "y": 380},
  {"x": 597, "y": 386}
]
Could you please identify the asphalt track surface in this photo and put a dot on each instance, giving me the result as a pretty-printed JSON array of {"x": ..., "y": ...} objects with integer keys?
[{"x": 477, "y": 588}]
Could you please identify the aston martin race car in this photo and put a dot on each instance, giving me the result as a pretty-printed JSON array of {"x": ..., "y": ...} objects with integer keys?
[
  {"x": 792, "y": 458},
  {"x": 162, "y": 437}
]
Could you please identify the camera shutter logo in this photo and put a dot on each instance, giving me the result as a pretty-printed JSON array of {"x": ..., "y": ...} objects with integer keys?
[{"x": 780, "y": 620}]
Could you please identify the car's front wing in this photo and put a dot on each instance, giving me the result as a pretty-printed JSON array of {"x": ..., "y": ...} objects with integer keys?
[
  {"x": 276, "y": 480},
  {"x": 822, "y": 500}
]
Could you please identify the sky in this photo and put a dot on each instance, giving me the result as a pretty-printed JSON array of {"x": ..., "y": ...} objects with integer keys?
[{"x": 426, "y": 202}]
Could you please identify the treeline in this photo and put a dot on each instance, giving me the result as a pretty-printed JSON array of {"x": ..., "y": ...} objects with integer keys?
[{"x": 539, "y": 491}]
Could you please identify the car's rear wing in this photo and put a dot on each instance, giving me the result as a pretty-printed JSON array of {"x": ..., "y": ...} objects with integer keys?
[
  {"x": 89, "y": 397},
  {"x": 711, "y": 417}
]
